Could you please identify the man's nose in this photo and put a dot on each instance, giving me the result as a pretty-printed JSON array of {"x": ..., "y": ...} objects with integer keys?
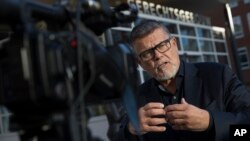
[{"x": 157, "y": 54}]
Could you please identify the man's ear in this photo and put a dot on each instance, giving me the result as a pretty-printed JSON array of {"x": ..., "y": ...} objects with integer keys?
[{"x": 175, "y": 41}]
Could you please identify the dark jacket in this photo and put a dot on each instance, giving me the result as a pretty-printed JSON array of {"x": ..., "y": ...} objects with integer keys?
[{"x": 209, "y": 86}]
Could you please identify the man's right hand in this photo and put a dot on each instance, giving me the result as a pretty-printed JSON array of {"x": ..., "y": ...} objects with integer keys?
[{"x": 151, "y": 116}]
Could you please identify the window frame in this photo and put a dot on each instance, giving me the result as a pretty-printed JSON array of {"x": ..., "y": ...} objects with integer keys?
[
  {"x": 243, "y": 51},
  {"x": 240, "y": 33}
]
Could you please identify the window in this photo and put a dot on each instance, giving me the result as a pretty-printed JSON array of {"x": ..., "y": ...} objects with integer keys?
[
  {"x": 171, "y": 27},
  {"x": 189, "y": 44},
  {"x": 217, "y": 34},
  {"x": 209, "y": 58},
  {"x": 204, "y": 33},
  {"x": 193, "y": 58},
  {"x": 187, "y": 30},
  {"x": 244, "y": 58},
  {"x": 220, "y": 47},
  {"x": 238, "y": 27},
  {"x": 233, "y": 3},
  {"x": 206, "y": 46}
]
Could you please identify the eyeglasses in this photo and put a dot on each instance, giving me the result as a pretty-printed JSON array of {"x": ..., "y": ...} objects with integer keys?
[{"x": 161, "y": 47}]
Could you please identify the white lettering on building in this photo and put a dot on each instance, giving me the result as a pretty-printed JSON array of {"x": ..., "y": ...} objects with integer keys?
[{"x": 169, "y": 12}]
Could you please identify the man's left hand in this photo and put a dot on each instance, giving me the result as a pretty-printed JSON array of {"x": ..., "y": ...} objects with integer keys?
[{"x": 185, "y": 116}]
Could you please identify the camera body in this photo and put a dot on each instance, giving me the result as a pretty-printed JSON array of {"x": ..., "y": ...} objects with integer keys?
[{"x": 52, "y": 65}]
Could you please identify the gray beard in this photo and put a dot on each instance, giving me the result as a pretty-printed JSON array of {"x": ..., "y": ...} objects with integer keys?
[
  {"x": 165, "y": 77},
  {"x": 168, "y": 75}
]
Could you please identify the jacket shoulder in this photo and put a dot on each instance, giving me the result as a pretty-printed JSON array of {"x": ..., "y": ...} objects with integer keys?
[{"x": 210, "y": 67}]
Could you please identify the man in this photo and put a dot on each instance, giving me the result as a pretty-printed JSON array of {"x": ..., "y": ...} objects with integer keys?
[{"x": 183, "y": 101}]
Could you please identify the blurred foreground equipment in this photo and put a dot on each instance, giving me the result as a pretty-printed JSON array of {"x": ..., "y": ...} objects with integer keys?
[{"x": 52, "y": 65}]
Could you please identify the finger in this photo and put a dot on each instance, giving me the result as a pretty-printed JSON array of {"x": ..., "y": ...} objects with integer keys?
[
  {"x": 175, "y": 107},
  {"x": 154, "y": 105},
  {"x": 155, "y": 112},
  {"x": 176, "y": 115},
  {"x": 183, "y": 101},
  {"x": 156, "y": 129},
  {"x": 177, "y": 122},
  {"x": 156, "y": 121}
]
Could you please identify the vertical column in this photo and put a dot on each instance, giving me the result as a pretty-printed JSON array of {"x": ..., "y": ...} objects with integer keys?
[{"x": 230, "y": 26}]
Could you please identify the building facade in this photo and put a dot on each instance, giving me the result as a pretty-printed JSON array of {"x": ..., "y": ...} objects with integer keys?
[
  {"x": 240, "y": 10},
  {"x": 241, "y": 18}
]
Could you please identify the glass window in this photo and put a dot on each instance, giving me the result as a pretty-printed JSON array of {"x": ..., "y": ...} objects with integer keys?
[
  {"x": 222, "y": 59},
  {"x": 120, "y": 36},
  {"x": 204, "y": 32},
  {"x": 217, "y": 34},
  {"x": 244, "y": 58},
  {"x": 206, "y": 45},
  {"x": 209, "y": 58},
  {"x": 193, "y": 58},
  {"x": 172, "y": 28},
  {"x": 189, "y": 44},
  {"x": 233, "y": 3},
  {"x": 220, "y": 47},
  {"x": 187, "y": 30},
  {"x": 238, "y": 27}
]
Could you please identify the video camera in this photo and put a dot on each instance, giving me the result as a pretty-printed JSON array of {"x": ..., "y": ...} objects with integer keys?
[{"x": 52, "y": 64}]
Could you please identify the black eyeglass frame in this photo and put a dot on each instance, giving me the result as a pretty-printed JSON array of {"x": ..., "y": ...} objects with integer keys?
[{"x": 166, "y": 43}]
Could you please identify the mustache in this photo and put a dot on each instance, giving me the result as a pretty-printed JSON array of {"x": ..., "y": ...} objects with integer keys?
[{"x": 158, "y": 64}]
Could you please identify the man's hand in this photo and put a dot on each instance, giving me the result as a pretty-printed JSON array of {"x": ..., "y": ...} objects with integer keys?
[
  {"x": 185, "y": 116},
  {"x": 150, "y": 117}
]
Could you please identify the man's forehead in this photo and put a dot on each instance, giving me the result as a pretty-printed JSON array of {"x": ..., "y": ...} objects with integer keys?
[{"x": 153, "y": 38}]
